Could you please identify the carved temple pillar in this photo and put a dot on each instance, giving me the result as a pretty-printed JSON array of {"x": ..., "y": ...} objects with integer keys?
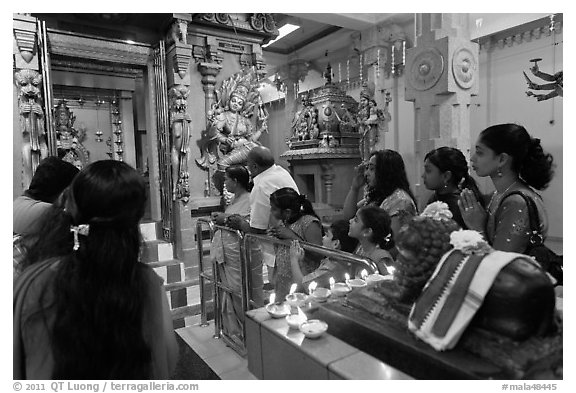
[
  {"x": 178, "y": 55},
  {"x": 29, "y": 134},
  {"x": 441, "y": 75}
]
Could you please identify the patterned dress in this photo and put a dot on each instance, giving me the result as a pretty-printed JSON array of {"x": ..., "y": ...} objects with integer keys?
[{"x": 283, "y": 271}]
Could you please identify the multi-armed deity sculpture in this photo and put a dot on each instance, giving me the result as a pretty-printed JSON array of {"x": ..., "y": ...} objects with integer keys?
[
  {"x": 232, "y": 129},
  {"x": 555, "y": 85},
  {"x": 34, "y": 147}
]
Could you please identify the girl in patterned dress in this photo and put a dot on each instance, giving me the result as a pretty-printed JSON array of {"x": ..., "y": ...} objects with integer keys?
[{"x": 298, "y": 221}]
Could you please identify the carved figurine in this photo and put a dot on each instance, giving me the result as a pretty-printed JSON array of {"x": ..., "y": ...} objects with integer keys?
[
  {"x": 347, "y": 120},
  {"x": 231, "y": 132},
  {"x": 34, "y": 147},
  {"x": 371, "y": 120},
  {"x": 180, "y": 126},
  {"x": 305, "y": 123},
  {"x": 556, "y": 83},
  {"x": 68, "y": 139}
]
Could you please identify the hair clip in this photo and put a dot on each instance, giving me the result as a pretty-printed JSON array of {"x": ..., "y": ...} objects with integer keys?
[{"x": 82, "y": 229}]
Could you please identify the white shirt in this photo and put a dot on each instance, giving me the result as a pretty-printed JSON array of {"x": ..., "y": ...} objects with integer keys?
[{"x": 265, "y": 183}]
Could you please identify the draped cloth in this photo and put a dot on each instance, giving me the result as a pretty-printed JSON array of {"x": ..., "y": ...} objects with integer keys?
[{"x": 453, "y": 295}]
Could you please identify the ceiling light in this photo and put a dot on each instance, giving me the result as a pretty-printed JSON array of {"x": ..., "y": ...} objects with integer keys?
[{"x": 284, "y": 31}]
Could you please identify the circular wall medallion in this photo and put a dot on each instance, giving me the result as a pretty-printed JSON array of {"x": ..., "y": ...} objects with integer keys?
[
  {"x": 426, "y": 69},
  {"x": 464, "y": 67}
]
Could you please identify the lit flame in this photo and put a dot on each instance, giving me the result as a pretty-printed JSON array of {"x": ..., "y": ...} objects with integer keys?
[
  {"x": 301, "y": 314},
  {"x": 332, "y": 282},
  {"x": 312, "y": 287},
  {"x": 347, "y": 277},
  {"x": 272, "y": 298},
  {"x": 292, "y": 288},
  {"x": 363, "y": 274}
]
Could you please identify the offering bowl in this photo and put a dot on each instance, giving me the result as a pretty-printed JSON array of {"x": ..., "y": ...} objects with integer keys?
[
  {"x": 278, "y": 310},
  {"x": 340, "y": 289},
  {"x": 313, "y": 328},
  {"x": 321, "y": 294},
  {"x": 373, "y": 279},
  {"x": 295, "y": 320},
  {"x": 297, "y": 299},
  {"x": 356, "y": 283}
]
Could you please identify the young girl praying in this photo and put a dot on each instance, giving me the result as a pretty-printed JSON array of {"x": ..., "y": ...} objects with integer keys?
[
  {"x": 372, "y": 227},
  {"x": 298, "y": 222}
]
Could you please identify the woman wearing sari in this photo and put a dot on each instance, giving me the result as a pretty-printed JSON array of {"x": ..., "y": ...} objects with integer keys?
[
  {"x": 515, "y": 162},
  {"x": 225, "y": 248}
]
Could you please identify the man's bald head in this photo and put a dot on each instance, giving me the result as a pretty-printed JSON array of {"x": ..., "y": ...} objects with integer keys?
[{"x": 260, "y": 158}]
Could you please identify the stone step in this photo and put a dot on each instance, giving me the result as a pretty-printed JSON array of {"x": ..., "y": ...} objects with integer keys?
[
  {"x": 157, "y": 250},
  {"x": 149, "y": 230},
  {"x": 171, "y": 271},
  {"x": 184, "y": 316}
]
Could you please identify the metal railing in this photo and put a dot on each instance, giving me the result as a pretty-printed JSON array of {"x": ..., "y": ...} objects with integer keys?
[
  {"x": 219, "y": 287},
  {"x": 337, "y": 255},
  {"x": 248, "y": 244}
]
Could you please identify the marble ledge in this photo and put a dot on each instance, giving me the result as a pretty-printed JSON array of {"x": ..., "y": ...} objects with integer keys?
[{"x": 341, "y": 360}]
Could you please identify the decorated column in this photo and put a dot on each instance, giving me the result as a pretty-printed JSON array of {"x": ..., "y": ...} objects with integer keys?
[
  {"x": 442, "y": 75},
  {"x": 28, "y": 81}
]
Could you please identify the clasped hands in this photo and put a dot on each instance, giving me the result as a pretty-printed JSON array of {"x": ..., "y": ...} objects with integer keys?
[
  {"x": 472, "y": 212},
  {"x": 233, "y": 221},
  {"x": 282, "y": 232}
]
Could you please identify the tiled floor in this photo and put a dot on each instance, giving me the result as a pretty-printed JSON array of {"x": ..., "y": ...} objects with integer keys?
[{"x": 223, "y": 360}]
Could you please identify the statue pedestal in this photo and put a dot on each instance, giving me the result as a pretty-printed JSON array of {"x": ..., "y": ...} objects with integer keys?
[{"x": 324, "y": 174}]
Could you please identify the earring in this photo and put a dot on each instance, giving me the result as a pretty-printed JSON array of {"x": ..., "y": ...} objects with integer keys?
[
  {"x": 445, "y": 185},
  {"x": 499, "y": 172}
]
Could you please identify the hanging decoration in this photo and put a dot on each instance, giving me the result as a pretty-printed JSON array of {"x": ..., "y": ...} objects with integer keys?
[
  {"x": 378, "y": 64},
  {"x": 339, "y": 74},
  {"x": 360, "y": 67},
  {"x": 347, "y": 72},
  {"x": 117, "y": 130},
  {"x": 98, "y": 132}
]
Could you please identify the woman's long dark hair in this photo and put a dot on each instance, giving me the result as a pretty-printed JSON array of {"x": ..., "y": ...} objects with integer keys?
[
  {"x": 529, "y": 161},
  {"x": 99, "y": 289},
  {"x": 390, "y": 175},
  {"x": 288, "y": 198},
  {"x": 241, "y": 175},
  {"x": 380, "y": 222},
  {"x": 453, "y": 160}
]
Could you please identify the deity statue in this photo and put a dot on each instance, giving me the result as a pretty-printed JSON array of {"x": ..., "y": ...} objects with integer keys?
[
  {"x": 305, "y": 123},
  {"x": 371, "y": 120},
  {"x": 347, "y": 120},
  {"x": 34, "y": 147},
  {"x": 231, "y": 131},
  {"x": 180, "y": 127},
  {"x": 556, "y": 83},
  {"x": 68, "y": 138}
]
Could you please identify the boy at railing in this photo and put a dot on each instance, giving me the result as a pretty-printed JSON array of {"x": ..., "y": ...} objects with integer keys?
[{"x": 336, "y": 237}]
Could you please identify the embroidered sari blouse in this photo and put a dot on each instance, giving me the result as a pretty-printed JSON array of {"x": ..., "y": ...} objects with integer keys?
[{"x": 508, "y": 223}]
